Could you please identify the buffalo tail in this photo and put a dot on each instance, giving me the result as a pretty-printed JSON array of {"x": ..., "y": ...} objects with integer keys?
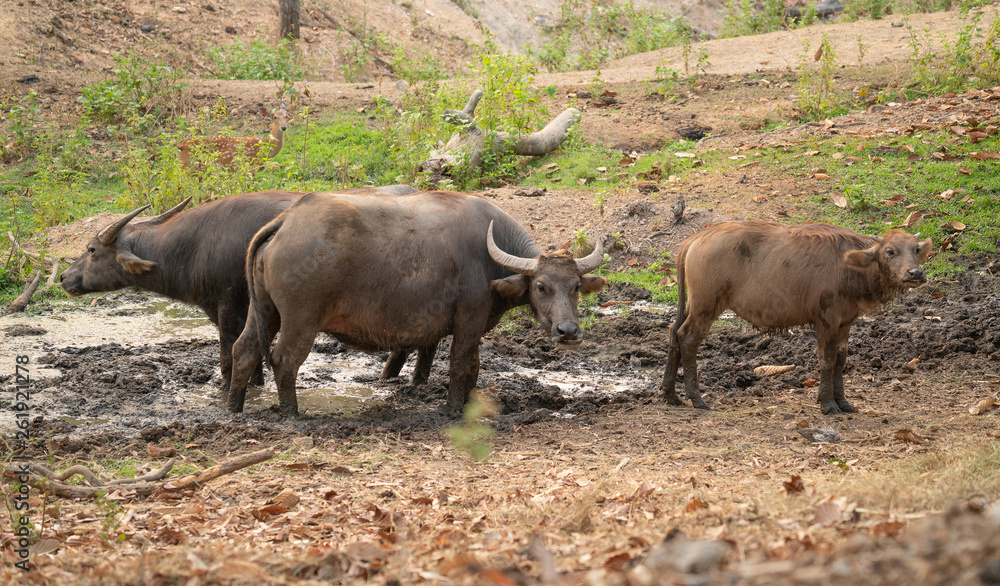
[
  {"x": 681, "y": 299},
  {"x": 262, "y": 236}
]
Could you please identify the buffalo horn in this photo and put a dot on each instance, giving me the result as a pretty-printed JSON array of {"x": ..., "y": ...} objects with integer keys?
[
  {"x": 110, "y": 232},
  {"x": 591, "y": 261},
  {"x": 524, "y": 266},
  {"x": 169, "y": 213}
]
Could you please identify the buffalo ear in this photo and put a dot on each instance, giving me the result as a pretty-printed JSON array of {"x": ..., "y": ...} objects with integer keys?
[
  {"x": 591, "y": 284},
  {"x": 133, "y": 264},
  {"x": 861, "y": 259},
  {"x": 924, "y": 250},
  {"x": 512, "y": 288}
]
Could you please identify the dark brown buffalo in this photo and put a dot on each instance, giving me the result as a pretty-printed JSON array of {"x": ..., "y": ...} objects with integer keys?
[
  {"x": 196, "y": 256},
  {"x": 777, "y": 276},
  {"x": 398, "y": 274}
]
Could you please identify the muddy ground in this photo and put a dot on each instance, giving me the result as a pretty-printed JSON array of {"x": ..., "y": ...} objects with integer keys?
[{"x": 123, "y": 393}]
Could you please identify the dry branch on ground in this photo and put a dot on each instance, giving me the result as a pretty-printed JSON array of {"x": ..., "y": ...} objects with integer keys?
[{"x": 42, "y": 478}]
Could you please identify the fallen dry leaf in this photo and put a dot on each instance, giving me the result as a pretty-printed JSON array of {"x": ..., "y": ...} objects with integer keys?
[
  {"x": 908, "y": 435},
  {"x": 888, "y": 528},
  {"x": 695, "y": 504},
  {"x": 155, "y": 451},
  {"x": 44, "y": 546},
  {"x": 286, "y": 498},
  {"x": 829, "y": 513},
  {"x": 913, "y": 219},
  {"x": 645, "y": 489},
  {"x": 839, "y": 200},
  {"x": 955, "y": 225},
  {"x": 821, "y": 176},
  {"x": 983, "y": 406},
  {"x": 946, "y": 194},
  {"x": 794, "y": 484},
  {"x": 810, "y": 383}
]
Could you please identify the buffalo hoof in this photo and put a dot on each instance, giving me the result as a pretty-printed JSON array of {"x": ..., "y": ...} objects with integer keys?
[
  {"x": 831, "y": 408},
  {"x": 673, "y": 399},
  {"x": 699, "y": 404},
  {"x": 845, "y": 406},
  {"x": 454, "y": 411}
]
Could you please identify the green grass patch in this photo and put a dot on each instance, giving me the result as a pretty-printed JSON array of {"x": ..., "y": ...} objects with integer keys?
[
  {"x": 261, "y": 59},
  {"x": 650, "y": 278},
  {"x": 592, "y": 166},
  {"x": 943, "y": 182},
  {"x": 343, "y": 150}
]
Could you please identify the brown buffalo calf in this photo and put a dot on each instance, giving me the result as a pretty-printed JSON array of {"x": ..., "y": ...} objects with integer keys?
[{"x": 777, "y": 276}]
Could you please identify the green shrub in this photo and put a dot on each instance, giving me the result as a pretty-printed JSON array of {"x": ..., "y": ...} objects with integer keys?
[
  {"x": 589, "y": 32},
  {"x": 742, "y": 17},
  {"x": 259, "y": 59},
  {"x": 26, "y": 126},
  {"x": 141, "y": 93},
  {"x": 971, "y": 58},
  {"x": 817, "y": 97}
]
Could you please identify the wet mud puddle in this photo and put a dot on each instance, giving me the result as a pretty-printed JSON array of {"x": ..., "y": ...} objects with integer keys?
[{"x": 140, "y": 361}]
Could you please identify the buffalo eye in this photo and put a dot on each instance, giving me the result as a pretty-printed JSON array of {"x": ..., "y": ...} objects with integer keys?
[
  {"x": 890, "y": 252},
  {"x": 576, "y": 288},
  {"x": 540, "y": 288},
  {"x": 91, "y": 249}
]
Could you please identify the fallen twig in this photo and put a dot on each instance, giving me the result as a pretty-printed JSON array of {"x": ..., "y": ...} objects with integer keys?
[
  {"x": 19, "y": 248},
  {"x": 51, "y": 282},
  {"x": 230, "y": 465},
  {"x": 22, "y": 300},
  {"x": 41, "y": 477}
]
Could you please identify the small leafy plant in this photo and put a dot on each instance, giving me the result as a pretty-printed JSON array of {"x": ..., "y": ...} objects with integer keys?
[
  {"x": 143, "y": 94},
  {"x": 259, "y": 59}
]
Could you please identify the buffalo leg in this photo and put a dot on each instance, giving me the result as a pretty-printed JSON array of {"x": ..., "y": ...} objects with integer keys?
[
  {"x": 425, "y": 358},
  {"x": 231, "y": 321},
  {"x": 669, "y": 384},
  {"x": 838, "y": 370},
  {"x": 827, "y": 349},
  {"x": 288, "y": 355},
  {"x": 257, "y": 378},
  {"x": 691, "y": 333},
  {"x": 689, "y": 337},
  {"x": 463, "y": 372},
  {"x": 394, "y": 364},
  {"x": 247, "y": 357}
]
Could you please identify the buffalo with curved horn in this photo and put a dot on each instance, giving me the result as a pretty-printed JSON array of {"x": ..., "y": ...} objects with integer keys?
[
  {"x": 398, "y": 274},
  {"x": 196, "y": 256}
]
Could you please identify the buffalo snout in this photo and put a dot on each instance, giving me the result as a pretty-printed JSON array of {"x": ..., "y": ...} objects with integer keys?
[
  {"x": 567, "y": 333},
  {"x": 915, "y": 275}
]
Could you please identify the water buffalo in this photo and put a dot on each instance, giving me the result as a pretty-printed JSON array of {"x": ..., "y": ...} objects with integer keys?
[
  {"x": 777, "y": 276},
  {"x": 396, "y": 274},
  {"x": 196, "y": 256}
]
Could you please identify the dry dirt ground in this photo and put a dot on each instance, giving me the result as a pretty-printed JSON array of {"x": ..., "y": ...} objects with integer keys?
[{"x": 592, "y": 478}]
